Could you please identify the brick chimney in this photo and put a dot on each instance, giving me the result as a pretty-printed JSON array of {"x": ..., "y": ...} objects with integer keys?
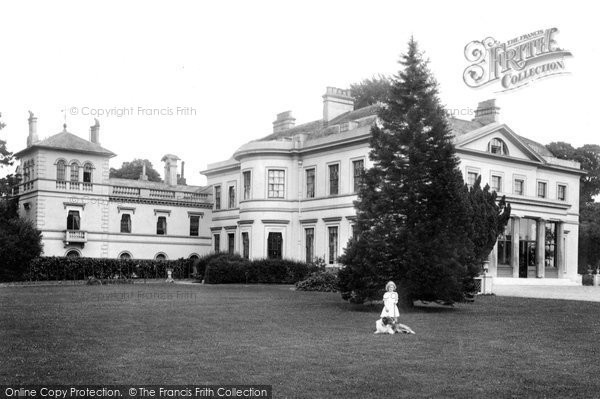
[
  {"x": 336, "y": 102},
  {"x": 95, "y": 132},
  {"x": 170, "y": 161},
  {"x": 284, "y": 121},
  {"x": 33, "y": 136},
  {"x": 487, "y": 112}
]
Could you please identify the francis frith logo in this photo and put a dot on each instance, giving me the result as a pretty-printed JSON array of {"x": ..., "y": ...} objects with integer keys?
[{"x": 516, "y": 62}]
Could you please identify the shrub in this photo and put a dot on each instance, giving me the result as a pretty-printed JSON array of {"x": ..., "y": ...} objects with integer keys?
[
  {"x": 235, "y": 269},
  {"x": 62, "y": 268},
  {"x": 322, "y": 281}
]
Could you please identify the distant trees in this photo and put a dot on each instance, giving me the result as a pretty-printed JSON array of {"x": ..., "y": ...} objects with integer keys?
[
  {"x": 588, "y": 156},
  {"x": 132, "y": 170},
  {"x": 371, "y": 91},
  {"x": 20, "y": 241}
]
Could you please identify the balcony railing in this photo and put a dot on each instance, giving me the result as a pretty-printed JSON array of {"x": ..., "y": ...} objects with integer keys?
[
  {"x": 195, "y": 197},
  {"x": 75, "y": 236},
  {"x": 162, "y": 194},
  {"x": 74, "y": 185},
  {"x": 129, "y": 191}
]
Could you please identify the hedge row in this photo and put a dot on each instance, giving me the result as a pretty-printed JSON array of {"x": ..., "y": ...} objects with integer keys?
[
  {"x": 233, "y": 269},
  {"x": 65, "y": 268}
]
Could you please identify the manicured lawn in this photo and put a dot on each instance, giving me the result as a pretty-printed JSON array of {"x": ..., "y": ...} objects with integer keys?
[{"x": 307, "y": 345}]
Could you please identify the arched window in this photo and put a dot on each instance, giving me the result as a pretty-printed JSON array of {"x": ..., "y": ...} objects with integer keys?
[
  {"x": 497, "y": 146},
  {"x": 74, "y": 171},
  {"x": 73, "y": 254},
  {"x": 87, "y": 173},
  {"x": 125, "y": 255},
  {"x": 160, "y": 256},
  {"x": 125, "y": 223},
  {"x": 61, "y": 168}
]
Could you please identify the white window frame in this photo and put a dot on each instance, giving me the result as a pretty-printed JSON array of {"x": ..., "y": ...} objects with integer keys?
[
  {"x": 285, "y": 182},
  {"x": 566, "y": 186}
]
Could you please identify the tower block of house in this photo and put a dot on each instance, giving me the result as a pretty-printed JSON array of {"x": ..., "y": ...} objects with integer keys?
[
  {"x": 66, "y": 191},
  {"x": 290, "y": 193}
]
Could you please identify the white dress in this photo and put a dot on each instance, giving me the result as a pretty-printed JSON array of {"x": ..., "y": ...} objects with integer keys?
[{"x": 390, "y": 299}]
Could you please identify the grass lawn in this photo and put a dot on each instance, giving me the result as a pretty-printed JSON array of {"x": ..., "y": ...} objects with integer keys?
[{"x": 306, "y": 345}]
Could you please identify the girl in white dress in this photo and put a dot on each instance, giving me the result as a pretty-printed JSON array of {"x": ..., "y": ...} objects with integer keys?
[{"x": 390, "y": 302}]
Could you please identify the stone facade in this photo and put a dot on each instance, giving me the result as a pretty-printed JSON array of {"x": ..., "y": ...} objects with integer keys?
[{"x": 66, "y": 191}]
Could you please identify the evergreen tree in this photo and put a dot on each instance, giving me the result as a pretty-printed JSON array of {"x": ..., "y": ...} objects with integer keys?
[
  {"x": 489, "y": 217},
  {"x": 413, "y": 212}
]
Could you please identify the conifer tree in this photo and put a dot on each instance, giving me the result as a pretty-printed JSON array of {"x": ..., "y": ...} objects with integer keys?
[{"x": 413, "y": 211}]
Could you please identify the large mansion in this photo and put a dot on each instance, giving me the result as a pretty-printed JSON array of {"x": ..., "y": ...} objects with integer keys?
[{"x": 290, "y": 194}]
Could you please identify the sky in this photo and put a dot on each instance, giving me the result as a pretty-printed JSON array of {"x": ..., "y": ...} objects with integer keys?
[{"x": 199, "y": 79}]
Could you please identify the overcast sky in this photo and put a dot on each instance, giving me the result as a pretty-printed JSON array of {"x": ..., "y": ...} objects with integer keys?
[{"x": 236, "y": 64}]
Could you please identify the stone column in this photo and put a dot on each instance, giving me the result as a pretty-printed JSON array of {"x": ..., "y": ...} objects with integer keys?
[
  {"x": 560, "y": 248},
  {"x": 540, "y": 248},
  {"x": 514, "y": 255}
]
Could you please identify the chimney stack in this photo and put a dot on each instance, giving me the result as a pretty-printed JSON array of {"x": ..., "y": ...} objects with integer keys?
[
  {"x": 284, "y": 121},
  {"x": 181, "y": 178},
  {"x": 487, "y": 112},
  {"x": 336, "y": 102},
  {"x": 95, "y": 132},
  {"x": 33, "y": 137},
  {"x": 170, "y": 161},
  {"x": 144, "y": 176}
]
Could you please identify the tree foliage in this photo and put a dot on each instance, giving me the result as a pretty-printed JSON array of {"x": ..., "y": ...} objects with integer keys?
[
  {"x": 20, "y": 241},
  {"x": 489, "y": 217},
  {"x": 588, "y": 156},
  {"x": 413, "y": 212},
  {"x": 371, "y": 91},
  {"x": 132, "y": 170}
]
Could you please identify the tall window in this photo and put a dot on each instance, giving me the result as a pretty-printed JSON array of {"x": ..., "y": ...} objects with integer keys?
[
  {"x": 73, "y": 220},
  {"x": 550, "y": 248},
  {"x": 358, "y": 168},
  {"x": 274, "y": 245},
  {"x": 276, "y": 183},
  {"x": 505, "y": 245},
  {"x": 310, "y": 244},
  {"x": 230, "y": 243},
  {"x": 497, "y": 183},
  {"x": 61, "y": 168},
  {"x": 497, "y": 146},
  {"x": 125, "y": 223},
  {"x": 561, "y": 192},
  {"x": 471, "y": 178},
  {"x": 519, "y": 187},
  {"x": 161, "y": 225},
  {"x": 87, "y": 173},
  {"x": 541, "y": 192},
  {"x": 194, "y": 225},
  {"x": 245, "y": 246},
  {"x": 217, "y": 197},
  {"x": 217, "y": 242},
  {"x": 74, "y": 172},
  {"x": 231, "y": 192},
  {"x": 333, "y": 244},
  {"x": 334, "y": 179},
  {"x": 310, "y": 183},
  {"x": 247, "y": 177}
]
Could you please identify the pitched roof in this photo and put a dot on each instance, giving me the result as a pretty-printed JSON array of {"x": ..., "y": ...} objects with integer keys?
[
  {"x": 68, "y": 141},
  {"x": 318, "y": 128}
]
